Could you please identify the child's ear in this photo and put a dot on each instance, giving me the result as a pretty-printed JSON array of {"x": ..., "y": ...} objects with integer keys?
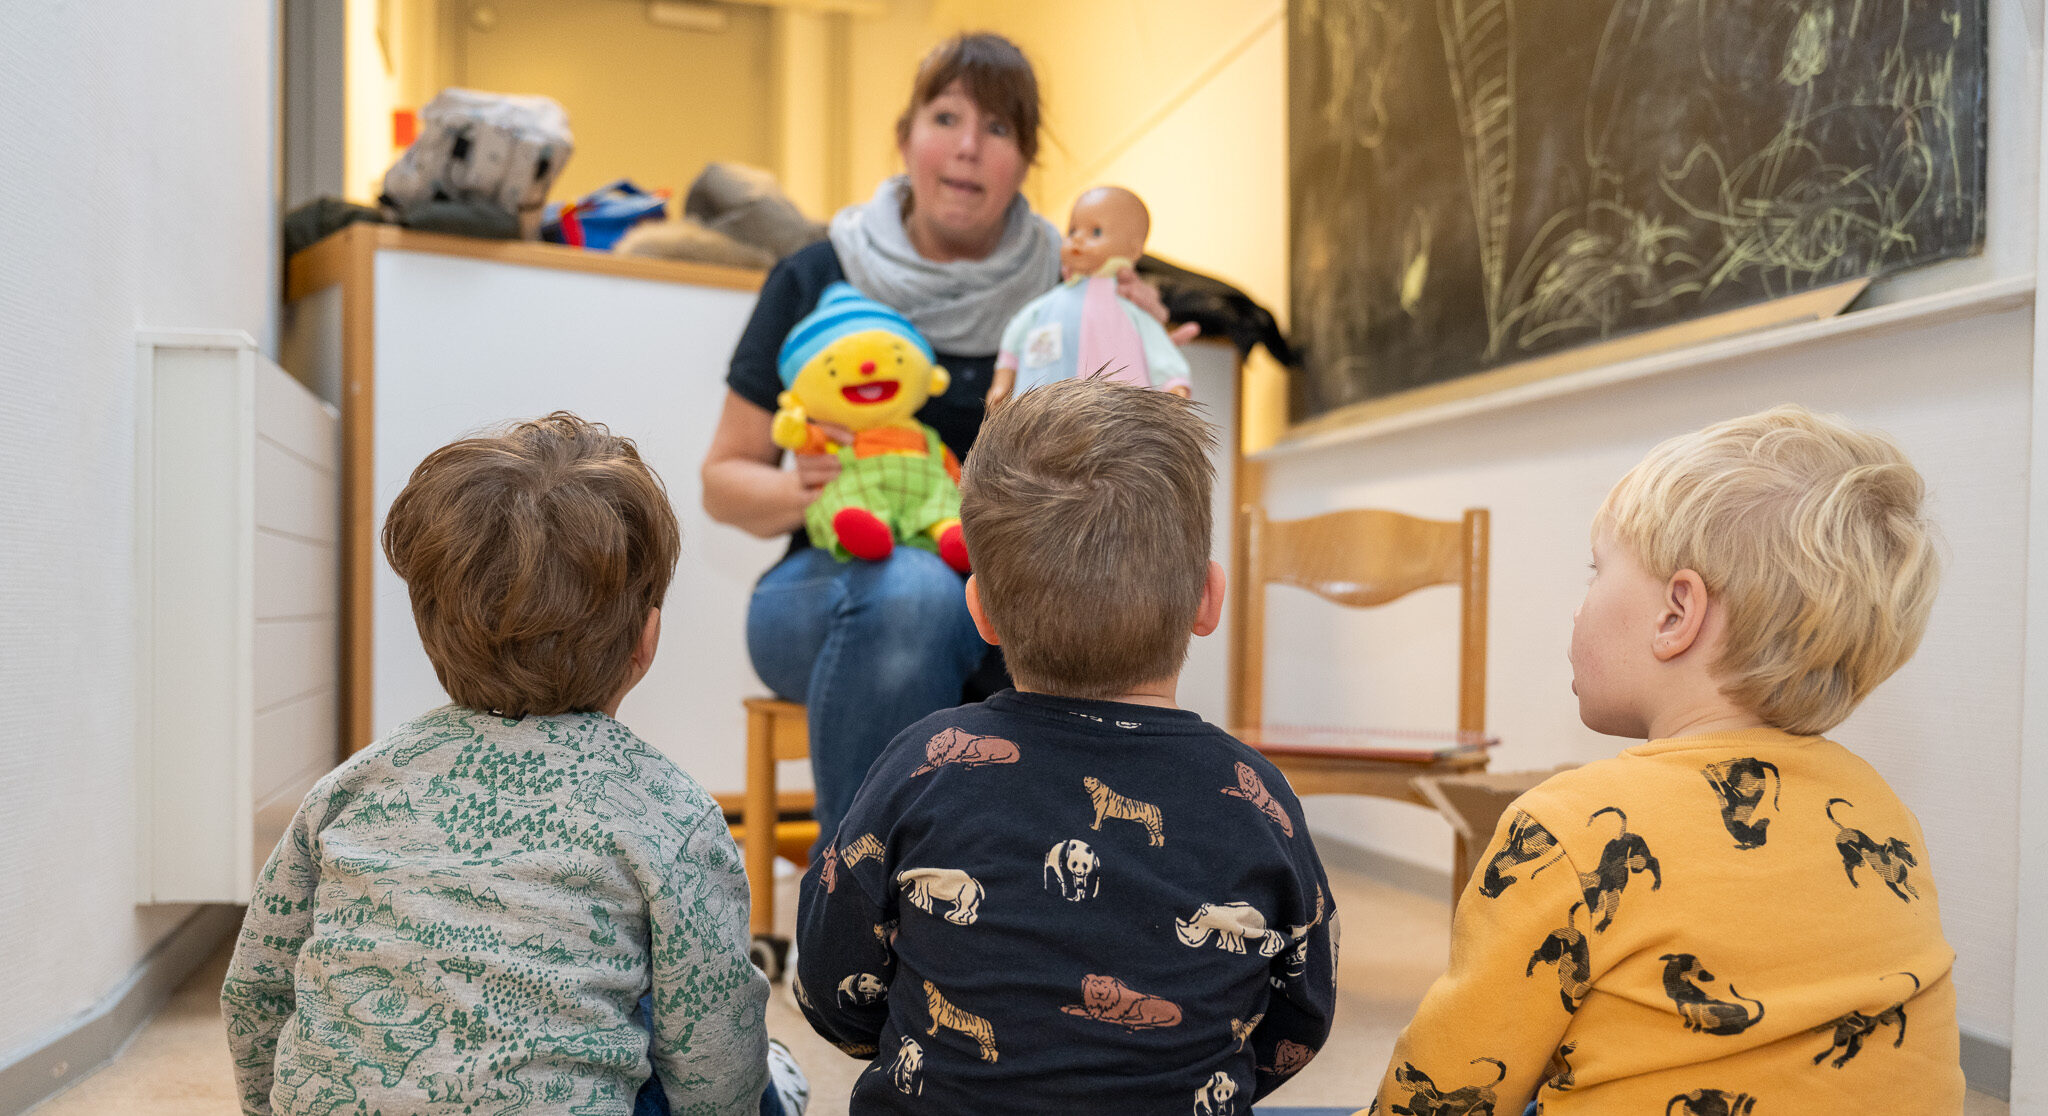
[
  {"x": 637, "y": 663},
  {"x": 1683, "y": 618},
  {"x": 649, "y": 641},
  {"x": 1210, "y": 613},
  {"x": 981, "y": 624}
]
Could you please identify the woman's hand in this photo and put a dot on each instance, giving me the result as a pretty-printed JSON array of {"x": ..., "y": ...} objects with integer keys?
[
  {"x": 816, "y": 470},
  {"x": 1145, "y": 297},
  {"x": 745, "y": 484}
]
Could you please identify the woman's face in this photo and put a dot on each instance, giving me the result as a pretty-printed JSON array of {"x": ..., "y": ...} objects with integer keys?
[{"x": 964, "y": 167}]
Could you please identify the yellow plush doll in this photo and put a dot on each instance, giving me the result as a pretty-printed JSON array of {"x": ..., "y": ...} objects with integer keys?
[{"x": 859, "y": 364}]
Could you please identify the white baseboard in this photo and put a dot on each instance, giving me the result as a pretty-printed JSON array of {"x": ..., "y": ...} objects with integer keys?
[
  {"x": 1987, "y": 1064},
  {"x": 39, "y": 1071}
]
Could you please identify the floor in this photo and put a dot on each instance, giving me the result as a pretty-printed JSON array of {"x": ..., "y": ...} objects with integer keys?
[{"x": 178, "y": 1064}]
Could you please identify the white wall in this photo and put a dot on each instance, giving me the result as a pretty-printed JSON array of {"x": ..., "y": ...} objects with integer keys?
[
  {"x": 648, "y": 102},
  {"x": 2029, "y": 1087},
  {"x": 139, "y": 176},
  {"x": 372, "y": 69}
]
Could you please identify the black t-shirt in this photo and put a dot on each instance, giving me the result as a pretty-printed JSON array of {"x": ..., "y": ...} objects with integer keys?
[{"x": 1042, "y": 904}]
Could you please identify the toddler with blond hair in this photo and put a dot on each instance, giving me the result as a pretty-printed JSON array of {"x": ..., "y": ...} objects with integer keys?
[{"x": 1738, "y": 913}]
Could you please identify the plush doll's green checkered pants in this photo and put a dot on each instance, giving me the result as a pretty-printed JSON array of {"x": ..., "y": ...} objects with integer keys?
[{"x": 909, "y": 494}]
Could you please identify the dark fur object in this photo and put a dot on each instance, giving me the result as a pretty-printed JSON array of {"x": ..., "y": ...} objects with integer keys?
[
  {"x": 1219, "y": 308},
  {"x": 687, "y": 240}
]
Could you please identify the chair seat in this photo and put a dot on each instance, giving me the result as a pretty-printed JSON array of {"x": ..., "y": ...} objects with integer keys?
[{"x": 1378, "y": 762}]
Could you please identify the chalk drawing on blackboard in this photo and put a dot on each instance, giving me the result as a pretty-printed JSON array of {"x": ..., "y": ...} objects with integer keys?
[
  {"x": 1550, "y": 174},
  {"x": 1479, "y": 46}
]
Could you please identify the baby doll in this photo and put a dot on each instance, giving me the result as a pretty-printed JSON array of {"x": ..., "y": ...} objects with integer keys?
[
  {"x": 1081, "y": 327},
  {"x": 860, "y": 364}
]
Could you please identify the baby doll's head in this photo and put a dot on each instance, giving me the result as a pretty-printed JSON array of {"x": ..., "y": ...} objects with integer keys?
[
  {"x": 858, "y": 363},
  {"x": 1108, "y": 223},
  {"x": 1807, "y": 534},
  {"x": 534, "y": 557}
]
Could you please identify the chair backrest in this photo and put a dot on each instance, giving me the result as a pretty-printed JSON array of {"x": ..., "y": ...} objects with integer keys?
[{"x": 1361, "y": 558}]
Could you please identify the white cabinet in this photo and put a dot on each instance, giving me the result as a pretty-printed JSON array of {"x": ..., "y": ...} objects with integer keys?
[{"x": 238, "y": 518}]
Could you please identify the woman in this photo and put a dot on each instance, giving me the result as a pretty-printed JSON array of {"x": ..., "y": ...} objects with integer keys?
[{"x": 871, "y": 647}]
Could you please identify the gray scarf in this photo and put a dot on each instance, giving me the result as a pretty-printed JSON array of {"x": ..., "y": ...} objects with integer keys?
[{"x": 960, "y": 307}]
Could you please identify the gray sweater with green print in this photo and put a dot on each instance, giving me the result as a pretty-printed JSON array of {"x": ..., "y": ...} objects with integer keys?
[{"x": 462, "y": 918}]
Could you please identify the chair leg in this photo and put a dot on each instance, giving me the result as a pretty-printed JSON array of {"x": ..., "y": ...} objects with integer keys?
[
  {"x": 1461, "y": 867},
  {"x": 758, "y": 816}
]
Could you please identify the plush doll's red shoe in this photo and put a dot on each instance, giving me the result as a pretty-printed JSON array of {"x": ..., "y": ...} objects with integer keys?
[
  {"x": 953, "y": 548},
  {"x": 862, "y": 534}
]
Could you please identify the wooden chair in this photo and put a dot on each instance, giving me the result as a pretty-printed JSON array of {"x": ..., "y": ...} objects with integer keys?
[
  {"x": 1473, "y": 802},
  {"x": 1360, "y": 559},
  {"x": 777, "y": 732}
]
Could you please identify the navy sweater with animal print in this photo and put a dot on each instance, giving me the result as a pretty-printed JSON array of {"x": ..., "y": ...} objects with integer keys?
[
  {"x": 1705, "y": 925},
  {"x": 1040, "y": 903}
]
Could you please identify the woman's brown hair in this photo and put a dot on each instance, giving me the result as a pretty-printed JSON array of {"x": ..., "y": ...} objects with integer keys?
[
  {"x": 533, "y": 557},
  {"x": 997, "y": 77}
]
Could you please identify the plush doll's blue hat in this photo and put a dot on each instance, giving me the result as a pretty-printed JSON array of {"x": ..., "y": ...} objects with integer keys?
[{"x": 841, "y": 311}]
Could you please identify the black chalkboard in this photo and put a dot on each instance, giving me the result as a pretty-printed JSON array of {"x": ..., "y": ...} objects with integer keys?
[{"x": 1475, "y": 182}]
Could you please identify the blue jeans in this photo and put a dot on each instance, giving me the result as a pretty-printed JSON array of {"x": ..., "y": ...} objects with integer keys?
[{"x": 868, "y": 647}]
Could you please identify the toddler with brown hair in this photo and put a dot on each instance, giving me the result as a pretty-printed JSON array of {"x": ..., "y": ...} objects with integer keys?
[
  {"x": 1075, "y": 896},
  {"x": 464, "y": 916}
]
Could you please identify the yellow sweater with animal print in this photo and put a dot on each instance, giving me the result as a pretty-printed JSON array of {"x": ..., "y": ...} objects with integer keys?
[{"x": 1717, "y": 924}]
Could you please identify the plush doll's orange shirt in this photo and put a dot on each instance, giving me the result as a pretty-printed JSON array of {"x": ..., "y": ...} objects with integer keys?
[{"x": 875, "y": 443}]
